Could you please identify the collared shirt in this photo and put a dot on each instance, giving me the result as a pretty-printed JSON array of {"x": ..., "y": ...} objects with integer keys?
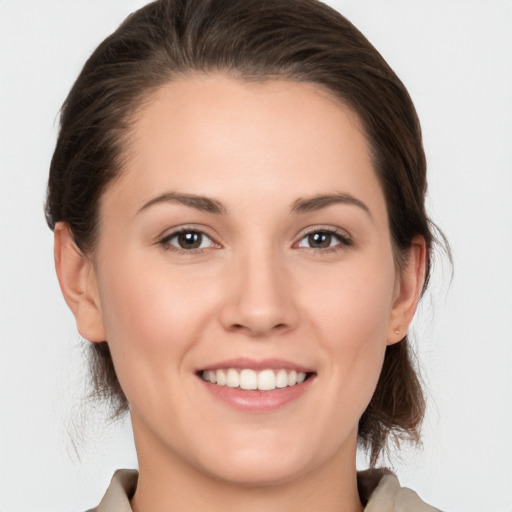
[{"x": 379, "y": 489}]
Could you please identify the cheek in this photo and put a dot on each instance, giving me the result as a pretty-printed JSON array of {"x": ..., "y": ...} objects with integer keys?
[
  {"x": 152, "y": 318},
  {"x": 350, "y": 315},
  {"x": 145, "y": 295},
  {"x": 352, "y": 306}
]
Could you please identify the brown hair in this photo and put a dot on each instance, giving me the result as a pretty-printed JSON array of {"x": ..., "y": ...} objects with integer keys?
[{"x": 299, "y": 40}]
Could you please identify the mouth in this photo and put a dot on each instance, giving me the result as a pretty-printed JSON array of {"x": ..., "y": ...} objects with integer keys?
[
  {"x": 256, "y": 386},
  {"x": 247, "y": 379}
]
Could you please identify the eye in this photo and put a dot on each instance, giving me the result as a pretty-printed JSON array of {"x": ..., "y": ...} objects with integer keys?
[
  {"x": 324, "y": 239},
  {"x": 187, "y": 240}
]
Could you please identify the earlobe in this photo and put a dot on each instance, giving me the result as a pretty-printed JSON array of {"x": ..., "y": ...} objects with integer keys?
[
  {"x": 77, "y": 279},
  {"x": 409, "y": 287}
]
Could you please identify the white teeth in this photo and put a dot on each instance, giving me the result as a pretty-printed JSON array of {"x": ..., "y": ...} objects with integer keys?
[
  {"x": 265, "y": 380},
  {"x": 232, "y": 379},
  {"x": 248, "y": 379},
  {"x": 282, "y": 379},
  {"x": 220, "y": 378}
]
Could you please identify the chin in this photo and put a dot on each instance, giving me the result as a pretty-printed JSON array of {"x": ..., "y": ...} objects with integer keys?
[
  {"x": 257, "y": 462},
  {"x": 258, "y": 472}
]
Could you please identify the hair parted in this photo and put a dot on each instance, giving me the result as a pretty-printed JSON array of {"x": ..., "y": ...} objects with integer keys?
[{"x": 251, "y": 40}]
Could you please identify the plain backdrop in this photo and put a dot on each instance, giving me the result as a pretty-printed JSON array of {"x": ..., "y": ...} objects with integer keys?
[{"x": 455, "y": 57}]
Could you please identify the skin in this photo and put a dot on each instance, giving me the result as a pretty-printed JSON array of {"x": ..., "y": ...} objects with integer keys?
[{"x": 257, "y": 288}]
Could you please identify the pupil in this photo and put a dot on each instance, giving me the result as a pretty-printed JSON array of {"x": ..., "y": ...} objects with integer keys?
[
  {"x": 320, "y": 240},
  {"x": 190, "y": 240}
]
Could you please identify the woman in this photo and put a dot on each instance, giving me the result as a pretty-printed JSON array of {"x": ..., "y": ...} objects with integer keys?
[{"x": 237, "y": 195}]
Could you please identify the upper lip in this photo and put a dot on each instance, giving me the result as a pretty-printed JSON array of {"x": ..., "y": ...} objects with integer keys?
[{"x": 257, "y": 364}]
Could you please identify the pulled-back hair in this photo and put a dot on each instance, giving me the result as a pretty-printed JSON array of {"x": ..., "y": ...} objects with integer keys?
[{"x": 250, "y": 40}]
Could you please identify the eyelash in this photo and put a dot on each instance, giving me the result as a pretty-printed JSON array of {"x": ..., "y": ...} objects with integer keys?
[
  {"x": 343, "y": 241},
  {"x": 165, "y": 242}
]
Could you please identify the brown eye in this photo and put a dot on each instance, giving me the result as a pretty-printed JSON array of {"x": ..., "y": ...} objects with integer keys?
[
  {"x": 324, "y": 239},
  {"x": 320, "y": 240},
  {"x": 188, "y": 240}
]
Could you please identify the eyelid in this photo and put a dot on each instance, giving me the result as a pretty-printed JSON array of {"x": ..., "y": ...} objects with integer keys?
[
  {"x": 164, "y": 238},
  {"x": 345, "y": 239}
]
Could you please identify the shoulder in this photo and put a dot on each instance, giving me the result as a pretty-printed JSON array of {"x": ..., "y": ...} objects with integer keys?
[
  {"x": 381, "y": 491},
  {"x": 119, "y": 492}
]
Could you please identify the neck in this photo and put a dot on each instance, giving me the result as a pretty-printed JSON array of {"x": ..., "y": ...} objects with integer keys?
[{"x": 167, "y": 482}]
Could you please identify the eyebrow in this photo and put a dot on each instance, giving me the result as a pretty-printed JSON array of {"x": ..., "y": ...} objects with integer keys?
[
  {"x": 201, "y": 203},
  {"x": 302, "y": 205},
  {"x": 315, "y": 203}
]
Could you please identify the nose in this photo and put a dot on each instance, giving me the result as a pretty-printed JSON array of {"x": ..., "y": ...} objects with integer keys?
[{"x": 259, "y": 297}]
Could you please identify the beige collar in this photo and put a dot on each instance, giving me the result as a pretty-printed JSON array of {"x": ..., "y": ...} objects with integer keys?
[{"x": 379, "y": 490}]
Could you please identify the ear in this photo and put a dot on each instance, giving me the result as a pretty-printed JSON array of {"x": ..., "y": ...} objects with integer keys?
[
  {"x": 77, "y": 279},
  {"x": 408, "y": 289}
]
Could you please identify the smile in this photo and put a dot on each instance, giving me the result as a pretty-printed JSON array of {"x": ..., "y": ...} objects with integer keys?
[{"x": 248, "y": 379}]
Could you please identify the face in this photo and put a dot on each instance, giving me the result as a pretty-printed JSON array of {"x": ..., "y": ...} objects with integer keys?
[{"x": 245, "y": 278}]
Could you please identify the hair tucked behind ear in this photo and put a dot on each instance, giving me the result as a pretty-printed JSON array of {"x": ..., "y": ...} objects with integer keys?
[
  {"x": 299, "y": 40},
  {"x": 397, "y": 405},
  {"x": 104, "y": 382}
]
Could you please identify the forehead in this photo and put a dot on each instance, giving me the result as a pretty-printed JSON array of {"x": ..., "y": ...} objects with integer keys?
[{"x": 212, "y": 135}]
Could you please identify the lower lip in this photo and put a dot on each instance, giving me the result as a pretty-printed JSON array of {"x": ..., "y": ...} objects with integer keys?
[{"x": 255, "y": 400}]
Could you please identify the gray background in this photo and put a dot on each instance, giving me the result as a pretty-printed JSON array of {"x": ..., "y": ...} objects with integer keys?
[{"x": 455, "y": 57}]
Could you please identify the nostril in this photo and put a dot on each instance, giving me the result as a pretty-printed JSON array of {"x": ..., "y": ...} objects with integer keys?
[{"x": 256, "y": 329}]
